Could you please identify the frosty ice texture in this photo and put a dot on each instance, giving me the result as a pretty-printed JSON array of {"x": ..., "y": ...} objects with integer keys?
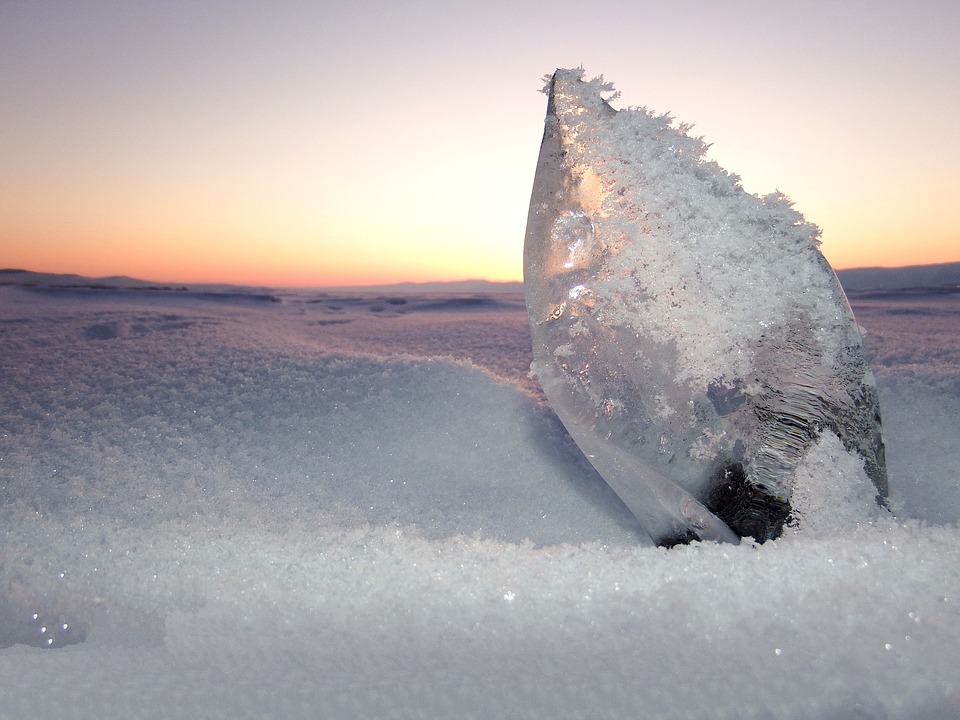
[{"x": 690, "y": 336}]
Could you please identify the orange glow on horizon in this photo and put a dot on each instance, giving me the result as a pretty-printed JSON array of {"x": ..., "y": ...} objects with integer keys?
[
  {"x": 193, "y": 236},
  {"x": 271, "y": 271},
  {"x": 190, "y": 248}
]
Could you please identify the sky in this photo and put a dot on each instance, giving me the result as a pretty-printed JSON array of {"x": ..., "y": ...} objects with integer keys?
[{"x": 340, "y": 143}]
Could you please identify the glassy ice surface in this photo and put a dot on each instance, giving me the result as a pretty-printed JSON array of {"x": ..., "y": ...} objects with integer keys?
[
  {"x": 690, "y": 336},
  {"x": 359, "y": 506}
]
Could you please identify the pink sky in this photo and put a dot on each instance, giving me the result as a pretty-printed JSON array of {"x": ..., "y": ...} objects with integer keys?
[{"x": 343, "y": 142}]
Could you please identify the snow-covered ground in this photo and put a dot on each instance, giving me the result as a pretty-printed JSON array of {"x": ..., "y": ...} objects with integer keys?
[{"x": 238, "y": 506}]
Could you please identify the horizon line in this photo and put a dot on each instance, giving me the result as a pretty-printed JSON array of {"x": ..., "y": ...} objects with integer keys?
[{"x": 361, "y": 286}]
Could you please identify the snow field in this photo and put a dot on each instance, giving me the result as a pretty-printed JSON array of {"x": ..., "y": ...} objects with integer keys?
[{"x": 248, "y": 511}]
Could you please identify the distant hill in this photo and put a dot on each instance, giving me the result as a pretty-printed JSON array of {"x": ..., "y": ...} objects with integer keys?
[
  {"x": 912, "y": 276},
  {"x": 13, "y": 276}
]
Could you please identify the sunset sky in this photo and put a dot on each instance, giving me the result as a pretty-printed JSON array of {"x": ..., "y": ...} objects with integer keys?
[{"x": 355, "y": 142}]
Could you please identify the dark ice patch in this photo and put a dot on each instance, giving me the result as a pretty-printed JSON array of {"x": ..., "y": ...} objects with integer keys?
[
  {"x": 22, "y": 626},
  {"x": 749, "y": 509},
  {"x": 725, "y": 399},
  {"x": 139, "y": 325},
  {"x": 103, "y": 331},
  {"x": 460, "y": 304}
]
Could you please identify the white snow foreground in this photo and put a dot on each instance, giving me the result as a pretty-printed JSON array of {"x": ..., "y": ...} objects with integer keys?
[{"x": 242, "y": 519}]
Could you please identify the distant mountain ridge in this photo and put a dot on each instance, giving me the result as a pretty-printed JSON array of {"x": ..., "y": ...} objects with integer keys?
[
  {"x": 14, "y": 276},
  {"x": 912, "y": 276},
  {"x": 941, "y": 275}
]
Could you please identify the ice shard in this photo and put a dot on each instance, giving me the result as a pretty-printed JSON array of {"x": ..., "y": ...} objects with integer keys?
[{"x": 690, "y": 336}]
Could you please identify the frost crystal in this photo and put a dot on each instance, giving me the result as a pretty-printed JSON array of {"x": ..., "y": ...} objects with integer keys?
[{"x": 690, "y": 335}]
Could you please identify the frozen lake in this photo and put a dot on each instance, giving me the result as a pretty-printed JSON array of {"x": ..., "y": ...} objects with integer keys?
[{"x": 299, "y": 504}]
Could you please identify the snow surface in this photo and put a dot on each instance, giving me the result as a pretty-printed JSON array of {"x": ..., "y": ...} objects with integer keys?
[{"x": 360, "y": 506}]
